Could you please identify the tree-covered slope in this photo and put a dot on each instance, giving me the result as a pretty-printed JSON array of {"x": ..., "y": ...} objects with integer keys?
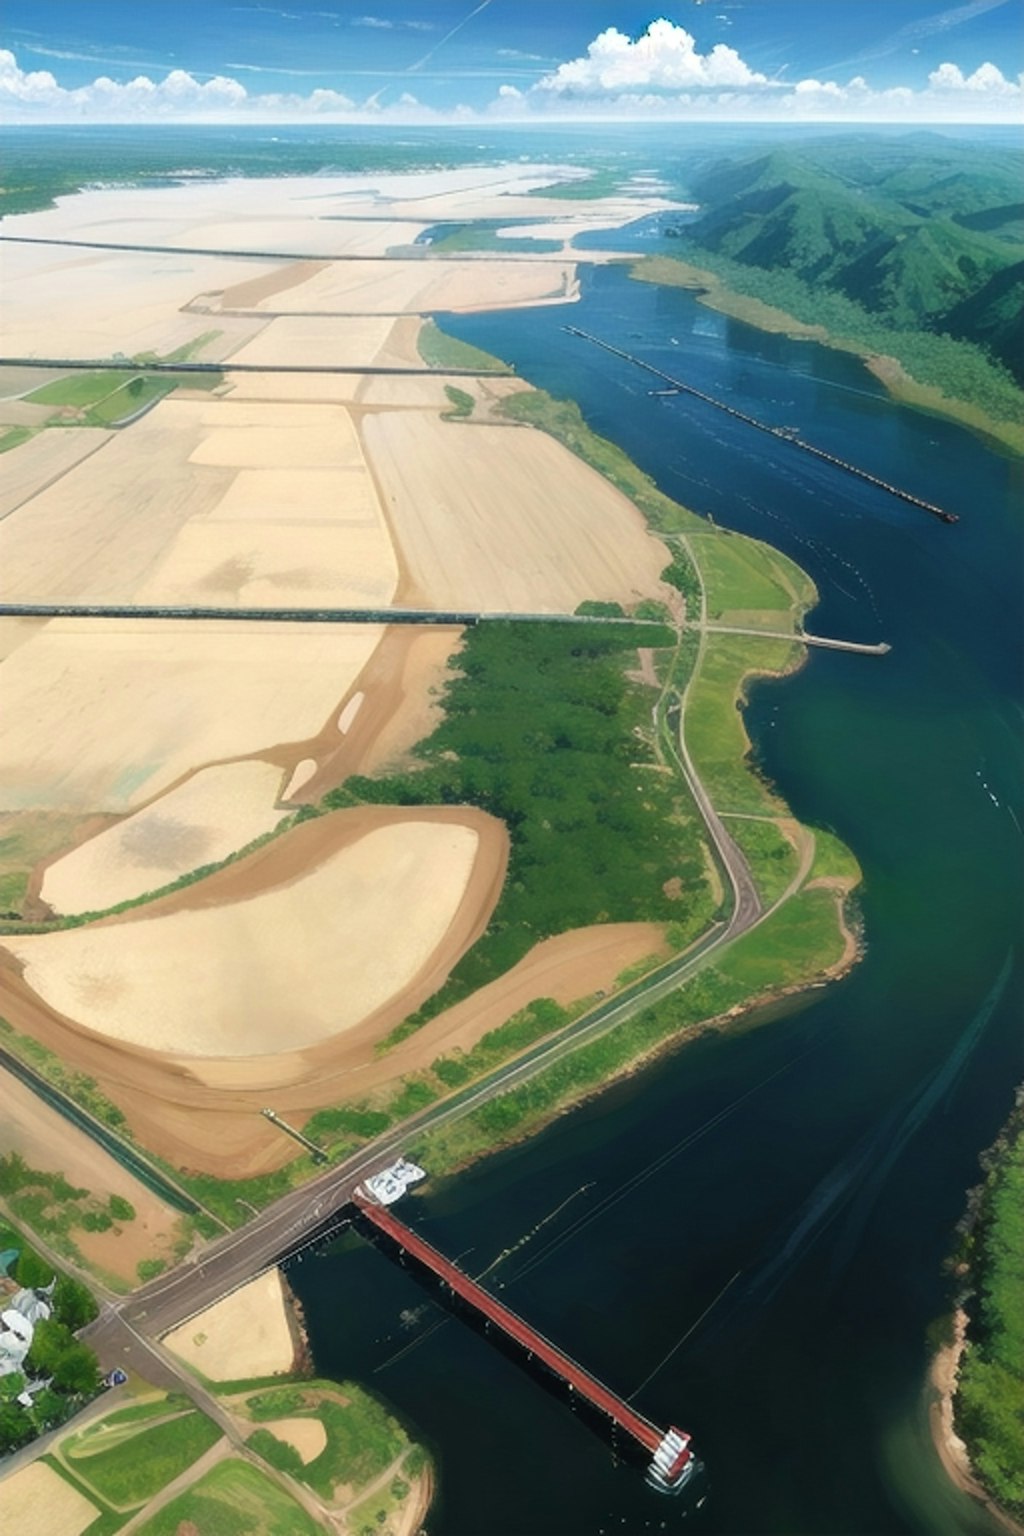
[{"x": 919, "y": 231}]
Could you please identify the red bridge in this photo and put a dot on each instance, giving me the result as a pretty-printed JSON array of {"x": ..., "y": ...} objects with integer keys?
[{"x": 672, "y": 1461}]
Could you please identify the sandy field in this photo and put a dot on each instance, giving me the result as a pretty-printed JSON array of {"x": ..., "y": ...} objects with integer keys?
[
  {"x": 107, "y": 714},
  {"x": 110, "y": 301},
  {"x": 36, "y": 1501},
  {"x": 308, "y": 1436},
  {"x": 316, "y": 341},
  {"x": 98, "y": 530},
  {"x": 506, "y": 519},
  {"x": 249, "y": 1333},
  {"x": 205, "y": 819},
  {"x": 280, "y": 970},
  {"x": 42, "y": 460},
  {"x": 425, "y": 286},
  {"x": 50, "y": 1143}
]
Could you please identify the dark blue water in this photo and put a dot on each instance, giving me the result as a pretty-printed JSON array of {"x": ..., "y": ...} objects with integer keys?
[{"x": 824, "y": 1200}]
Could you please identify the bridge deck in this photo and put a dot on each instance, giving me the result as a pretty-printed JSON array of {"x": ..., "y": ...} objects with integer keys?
[{"x": 646, "y": 1434}]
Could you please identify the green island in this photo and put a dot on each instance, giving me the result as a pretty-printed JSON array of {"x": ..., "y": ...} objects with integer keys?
[
  {"x": 988, "y": 1406},
  {"x": 911, "y": 257}
]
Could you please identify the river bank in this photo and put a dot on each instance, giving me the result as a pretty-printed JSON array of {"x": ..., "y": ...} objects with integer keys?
[{"x": 713, "y": 291}]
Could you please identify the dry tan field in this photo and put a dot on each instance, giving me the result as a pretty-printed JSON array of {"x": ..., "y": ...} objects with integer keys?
[
  {"x": 278, "y": 970},
  {"x": 36, "y": 1501},
  {"x": 506, "y": 519},
  {"x": 425, "y": 286},
  {"x": 42, "y": 460},
  {"x": 109, "y": 301},
  {"x": 204, "y": 820},
  {"x": 317, "y": 341},
  {"x": 97, "y": 532},
  {"x": 107, "y": 714},
  {"x": 247, "y": 1334}
]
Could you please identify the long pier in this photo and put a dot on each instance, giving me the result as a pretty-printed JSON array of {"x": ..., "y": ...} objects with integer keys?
[
  {"x": 781, "y": 434},
  {"x": 671, "y": 1461}
]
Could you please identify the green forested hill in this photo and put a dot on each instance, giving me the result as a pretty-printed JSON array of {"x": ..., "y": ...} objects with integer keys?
[{"x": 922, "y": 232}]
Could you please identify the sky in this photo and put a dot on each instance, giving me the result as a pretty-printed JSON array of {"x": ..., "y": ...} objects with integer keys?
[{"x": 466, "y": 61}]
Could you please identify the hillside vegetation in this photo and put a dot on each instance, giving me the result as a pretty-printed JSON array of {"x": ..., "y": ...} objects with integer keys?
[
  {"x": 990, "y": 1398},
  {"x": 912, "y": 246}
]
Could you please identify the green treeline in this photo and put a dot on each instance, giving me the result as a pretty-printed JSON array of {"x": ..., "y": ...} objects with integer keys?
[
  {"x": 543, "y": 730},
  {"x": 989, "y": 1404},
  {"x": 898, "y": 248},
  {"x": 55, "y": 1353}
]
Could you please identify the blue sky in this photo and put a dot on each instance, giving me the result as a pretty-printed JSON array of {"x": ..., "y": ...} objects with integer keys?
[{"x": 419, "y": 60}]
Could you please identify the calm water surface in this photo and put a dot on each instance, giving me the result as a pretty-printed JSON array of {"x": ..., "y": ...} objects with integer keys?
[{"x": 824, "y": 1200}]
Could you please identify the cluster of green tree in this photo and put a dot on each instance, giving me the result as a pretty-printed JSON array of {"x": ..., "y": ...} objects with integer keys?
[
  {"x": 989, "y": 1405},
  {"x": 920, "y": 233},
  {"x": 543, "y": 729},
  {"x": 55, "y": 1353}
]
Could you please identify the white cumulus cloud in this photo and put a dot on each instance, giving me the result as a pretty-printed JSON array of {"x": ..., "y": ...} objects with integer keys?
[{"x": 665, "y": 57}]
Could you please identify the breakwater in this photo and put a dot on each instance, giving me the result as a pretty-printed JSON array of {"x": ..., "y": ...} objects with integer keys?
[{"x": 781, "y": 434}]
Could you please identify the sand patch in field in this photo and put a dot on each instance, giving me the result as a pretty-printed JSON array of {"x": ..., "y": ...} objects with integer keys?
[
  {"x": 50, "y": 1143},
  {"x": 297, "y": 496},
  {"x": 505, "y": 519},
  {"x": 202, "y": 821},
  {"x": 280, "y": 970},
  {"x": 248, "y": 1333},
  {"x": 36, "y": 1501},
  {"x": 105, "y": 714},
  {"x": 302, "y": 773},
  {"x": 307, "y": 1436}
]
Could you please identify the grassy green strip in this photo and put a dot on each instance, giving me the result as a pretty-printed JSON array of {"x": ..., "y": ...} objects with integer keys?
[
  {"x": 439, "y": 350},
  {"x": 233, "y": 1499},
  {"x": 132, "y": 1471},
  {"x": 13, "y": 437},
  {"x": 715, "y": 734}
]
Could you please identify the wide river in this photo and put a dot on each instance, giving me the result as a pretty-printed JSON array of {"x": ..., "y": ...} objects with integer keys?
[{"x": 813, "y": 1167}]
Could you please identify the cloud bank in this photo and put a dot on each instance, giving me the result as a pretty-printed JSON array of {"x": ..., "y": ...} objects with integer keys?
[{"x": 659, "y": 75}]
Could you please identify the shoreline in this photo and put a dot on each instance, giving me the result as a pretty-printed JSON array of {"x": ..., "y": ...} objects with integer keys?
[
  {"x": 943, "y": 1374},
  {"x": 713, "y": 292}
]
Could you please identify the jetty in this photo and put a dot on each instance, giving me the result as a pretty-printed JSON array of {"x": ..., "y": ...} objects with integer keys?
[{"x": 781, "y": 434}]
